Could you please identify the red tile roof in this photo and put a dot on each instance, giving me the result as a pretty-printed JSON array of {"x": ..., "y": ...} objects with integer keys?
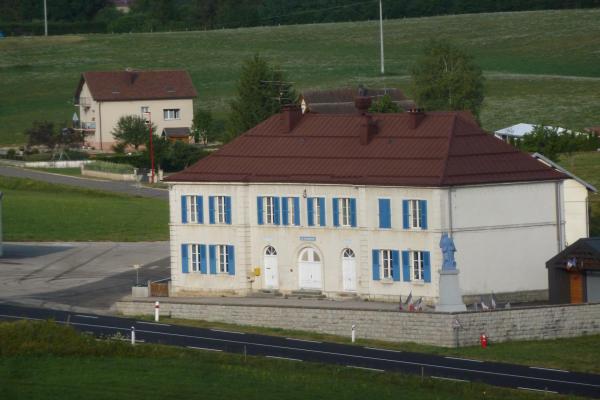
[
  {"x": 138, "y": 85},
  {"x": 445, "y": 149}
]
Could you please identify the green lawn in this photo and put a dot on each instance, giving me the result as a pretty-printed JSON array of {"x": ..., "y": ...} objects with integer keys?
[
  {"x": 45, "y": 361},
  {"x": 61, "y": 171},
  {"x": 587, "y": 167},
  {"x": 37, "y": 211},
  {"x": 540, "y": 66}
]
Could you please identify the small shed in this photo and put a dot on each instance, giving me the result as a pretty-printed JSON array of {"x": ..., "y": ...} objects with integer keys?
[
  {"x": 574, "y": 273},
  {"x": 178, "y": 134}
]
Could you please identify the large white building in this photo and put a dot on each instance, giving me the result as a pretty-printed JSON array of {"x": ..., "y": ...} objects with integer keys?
[
  {"x": 356, "y": 204},
  {"x": 166, "y": 98}
]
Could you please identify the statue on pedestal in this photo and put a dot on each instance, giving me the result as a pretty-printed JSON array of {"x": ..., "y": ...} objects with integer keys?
[{"x": 450, "y": 294}]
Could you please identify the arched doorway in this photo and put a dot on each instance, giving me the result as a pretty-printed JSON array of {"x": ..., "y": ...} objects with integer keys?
[
  {"x": 270, "y": 266},
  {"x": 348, "y": 270},
  {"x": 309, "y": 267}
]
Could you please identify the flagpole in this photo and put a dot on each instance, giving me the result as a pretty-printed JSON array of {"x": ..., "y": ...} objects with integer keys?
[
  {"x": 381, "y": 36},
  {"x": 45, "y": 19}
]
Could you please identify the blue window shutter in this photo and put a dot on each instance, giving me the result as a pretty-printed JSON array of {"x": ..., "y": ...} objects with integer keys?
[
  {"x": 385, "y": 215},
  {"x": 259, "y": 209},
  {"x": 212, "y": 258},
  {"x": 353, "y": 213},
  {"x": 376, "y": 265},
  {"x": 297, "y": 211},
  {"x": 203, "y": 260},
  {"x": 211, "y": 209},
  {"x": 405, "y": 216},
  {"x": 310, "y": 205},
  {"x": 423, "y": 206},
  {"x": 184, "y": 259},
  {"x": 405, "y": 266},
  {"x": 276, "y": 213},
  {"x": 184, "y": 209},
  {"x": 322, "y": 219},
  {"x": 285, "y": 220},
  {"x": 396, "y": 265},
  {"x": 228, "y": 210},
  {"x": 231, "y": 253},
  {"x": 200, "y": 209},
  {"x": 426, "y": 267},
  {"x": 336, "y": 211}
]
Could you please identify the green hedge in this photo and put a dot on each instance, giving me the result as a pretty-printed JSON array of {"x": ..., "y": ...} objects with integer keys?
[{"x": 104, "y": 166}]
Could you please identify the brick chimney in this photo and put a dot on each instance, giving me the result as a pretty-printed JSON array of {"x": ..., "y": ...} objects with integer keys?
[
  {"x": 368, "y": 129},
  {"x": 362, "y": 104},
  {"x": 415, "y": 116},
  {"x": 290, "y": 115}
]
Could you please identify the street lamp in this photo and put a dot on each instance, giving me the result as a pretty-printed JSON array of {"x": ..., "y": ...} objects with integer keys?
[
  {"x": 137, "y": 274},
  {"x": 151, "y": 145}
]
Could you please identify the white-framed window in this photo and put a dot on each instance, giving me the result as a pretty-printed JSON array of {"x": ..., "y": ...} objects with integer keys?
[
  {"x": 192, "y": 211},
  {"x": 171, "y": 113},
  {"x": 417, "y": 263},
  {"x": 345, "y": 212},
  {"x": 318, "y": 211},
  {"x": 222, "y": 259},
  {"x": 220, "y": 210},
  {"x": 195, "y": 260},
  {"x": 144, "y": 110},
  {"x": 269, "y": 209},
  {"x": 415, "y": 215},
  {"x": 386, "y": 264},
  {"x": 292, "y": 211}
]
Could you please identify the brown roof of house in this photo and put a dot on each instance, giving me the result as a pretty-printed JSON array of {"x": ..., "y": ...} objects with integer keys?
[
  {"x": 138, "y": 85},
  {"x": 445, "y": 149}
]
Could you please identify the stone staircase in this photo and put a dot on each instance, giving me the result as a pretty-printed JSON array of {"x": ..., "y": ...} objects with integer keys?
[{"x": 308, "y": 294}]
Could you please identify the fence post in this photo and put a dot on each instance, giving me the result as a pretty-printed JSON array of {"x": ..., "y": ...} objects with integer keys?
[
  {"x": 156, "y": 310},
  {"x": 133, "y": 336},
  {"x": 353, "y": 333}
]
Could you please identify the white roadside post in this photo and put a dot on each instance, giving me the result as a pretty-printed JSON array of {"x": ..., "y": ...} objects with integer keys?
[
  {"x": 353, "y": 333},
  {"x": 132, "y": 335},
  {"x": 156, "y": 311}
]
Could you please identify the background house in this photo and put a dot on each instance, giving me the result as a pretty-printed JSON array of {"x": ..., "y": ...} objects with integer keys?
[
  {"x": 341, "y": 101},
  {"x": 355, "y": 204},
  {"x": 574, "y": 273},
  {"x": 103, "y": 97},
  {"x": 519, "y": 130}
]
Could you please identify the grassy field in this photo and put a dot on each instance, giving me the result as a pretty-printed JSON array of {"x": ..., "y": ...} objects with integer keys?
[
  {"x": 573, "y": 354},
  {"x": 61, "y": 171},
  {"x": 36, "y": 211},
  {"x": 46, "y": 361},
  {"x": 541, "y": 67},
  {"x": 587, "y": 167}
]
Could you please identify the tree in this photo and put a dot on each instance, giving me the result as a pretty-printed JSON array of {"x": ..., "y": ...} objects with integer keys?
[
  {"x": 132, "y": 130},
  {"x": 261, "y": 91},
  {"x": 42, "y": 133},
  {"x": 445, "y": 78},
  {"x": 384, "y": 105},
  {"x": 203, "y": 126}
]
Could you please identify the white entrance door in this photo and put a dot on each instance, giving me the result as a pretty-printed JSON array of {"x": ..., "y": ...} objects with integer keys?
[
  {"x": 270, "y": 267},
  {"x": 309, "y": 266},
  {"x": 349, "y": 270}
]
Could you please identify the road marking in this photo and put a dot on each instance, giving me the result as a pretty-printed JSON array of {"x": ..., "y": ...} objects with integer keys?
[
  {"x": 303, "y": 340},
  {"x": 443, "y": 378},
  {"x": 151, "y": 323},
  {"x": 537, "y": 390},
  {"x": 322, "y": 352},
  {"x": 284, "y": 358},
  {"x": 85, "y": 316},
  {"x": 550, "y": 369},
  {"x": 368, "y": 369},
  {"x": 235, "y": 333},
  {"x": 391, "y": 351},
  {"x": 463, "y": 359},
  {"x": 202, "y": 348}
]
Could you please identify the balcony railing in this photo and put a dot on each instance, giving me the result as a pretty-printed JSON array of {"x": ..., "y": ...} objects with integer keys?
[
  {"x": 83, "y": 101},
  {"x": 89, "y": 127}
]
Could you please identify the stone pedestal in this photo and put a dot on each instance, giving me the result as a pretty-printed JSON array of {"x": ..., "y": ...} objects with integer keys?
[{"x": 450, "y": 295}]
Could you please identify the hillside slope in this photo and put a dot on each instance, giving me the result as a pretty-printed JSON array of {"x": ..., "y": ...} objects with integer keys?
[{"x": 540, "y": 66}]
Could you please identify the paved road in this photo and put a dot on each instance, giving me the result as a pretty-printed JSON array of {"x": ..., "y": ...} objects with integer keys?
[
  {"x": 374, "y": 359},
  {"x": 75, "y": 275},
  {"x": 128, "y": 188}
]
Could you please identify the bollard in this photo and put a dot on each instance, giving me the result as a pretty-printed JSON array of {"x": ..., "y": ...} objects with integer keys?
[
  {"x": 353, "y": 333},
  {"x": 133, "y": 335},
  {"x": 156, "y": 311}
]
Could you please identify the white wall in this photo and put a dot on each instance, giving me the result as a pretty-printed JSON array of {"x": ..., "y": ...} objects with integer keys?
[
  {"x": 504, "y": 235},
  {"x": 576, "y": 211}
]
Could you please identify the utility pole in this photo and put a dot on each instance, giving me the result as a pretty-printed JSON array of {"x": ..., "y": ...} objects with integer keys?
[
  {"x": 381, "y": 36},
  {"x": 45, "y": 19}
]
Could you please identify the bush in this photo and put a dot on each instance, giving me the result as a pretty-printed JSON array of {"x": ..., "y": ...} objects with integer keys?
[
  {"x": 38, "y": 157},
  {"x": 11, "y": 154}
]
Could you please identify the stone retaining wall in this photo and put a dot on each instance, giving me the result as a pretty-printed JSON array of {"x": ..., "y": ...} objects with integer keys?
[{"x": 426, "y": 328}]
